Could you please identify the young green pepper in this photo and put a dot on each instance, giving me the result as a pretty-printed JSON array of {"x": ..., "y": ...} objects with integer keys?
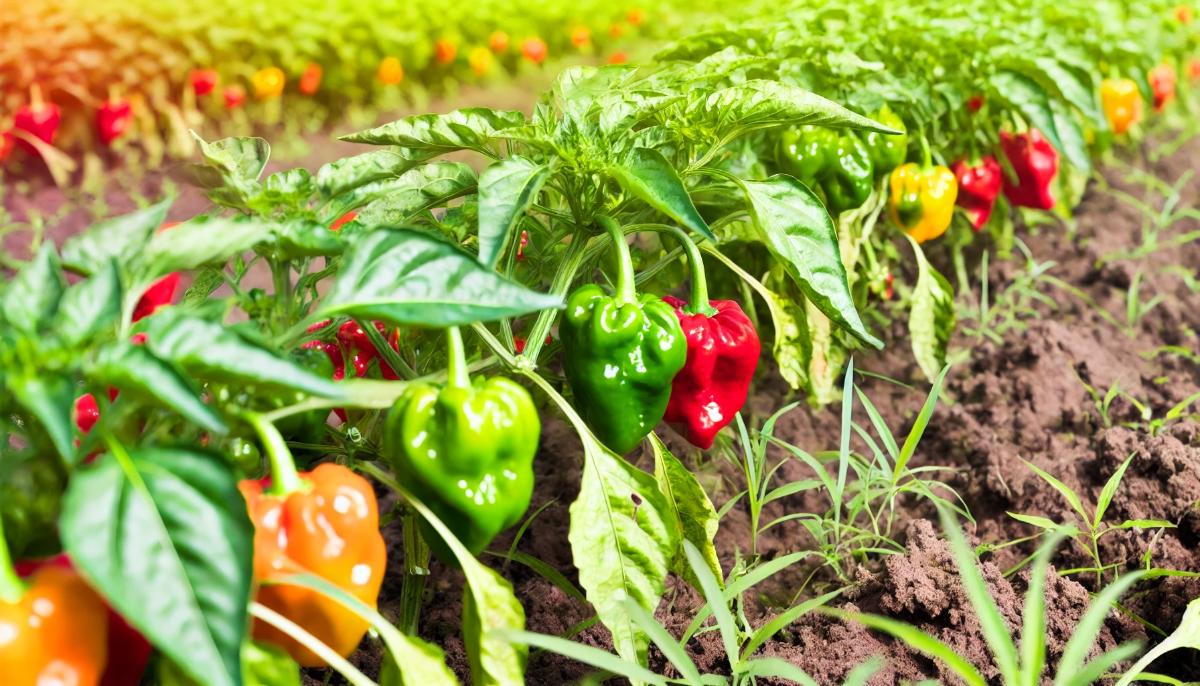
[
  {"x": 805, "y": 152},
  {"x": 621, "y": 354},
  {"x": 467, "y": 449},
  {"x": 849, "y": 177},
  {"x": 887, "y": 151}
]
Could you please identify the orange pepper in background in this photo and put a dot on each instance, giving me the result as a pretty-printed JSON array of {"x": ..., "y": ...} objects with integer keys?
[
  {"x": 268, "y": 83},
  {"x": 635, "y": 16},
  {"x": 1183, "y": 14},
  {"x": 1162, "y": 83},
  {"x": 310, "y": 80},
  {"x": 498, "y": 42},
  {"x": 1122, "y": 103},
  {"x": 444, "y": 51},
  {"x": 391, "y": 71},
  {"x": 534, "y": 50},
  {"x": 618, "y": 57},
  {"x": 54, "y": 631},
  {"x": 1194, "y": 69},
  {"x": 581, "y": 36},
  {"x": 329, "y": 528}
]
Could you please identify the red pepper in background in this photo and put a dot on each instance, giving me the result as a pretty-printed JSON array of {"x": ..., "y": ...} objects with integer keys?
[
  {"x": 618, "y": 57},
  {"x": 1194, "y": 69},
  {"x": 521, "y": 245},
  {"x": 343, "y": 220},
  {"x": 975, "y": 103},
  {"x": 161, "y": 292},
  {"x": 889, "y": 290},
  {"x": 128, "y": 651},
  {"x": 1035, "y": 162},
  {"x": 39, "y": 118},
  {"x": 444, "y": 51},
  {"x": 978, "y": 186},
  {"x": 235, "y": 97},
  {"x": 534, "y": 50},
  {"x": 310, "y": 80},
  {"x": 112, "y": 119},
  {"x": 7, "y": 143},
  {"x": 1162, "y": 83},
  {"x": 204, "y": 81},
  {"x": 355, "y": 342}
]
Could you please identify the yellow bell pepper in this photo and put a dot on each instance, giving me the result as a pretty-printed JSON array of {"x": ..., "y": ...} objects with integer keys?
[
  {"x": 1122, "y": 103},
  {"x": 268, "y": 83},
  {"x": 922, "y": 199},
  {"x": 391, "y": 71}
]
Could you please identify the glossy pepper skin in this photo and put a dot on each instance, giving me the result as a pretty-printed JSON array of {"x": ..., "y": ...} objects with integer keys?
[
  {"x": 1162, "y": 83},
  {"x": 805, "y": 152},
  {"x": 849, "y": 177},
  {"x": 467, "y": 449},
  {"x": 978, "y": 186},
  {"x": 1035, "y": 162},
  {"x": 329, "y": 528},
  {"x": 53, "y": 631},
  {"x": 113, "y": 119},
  {"x": 1122, "y": 103},
  {"x": 620, "y": 354},
  {"x": 887, "y": 151},
  {"x": 922, "y": 200}
]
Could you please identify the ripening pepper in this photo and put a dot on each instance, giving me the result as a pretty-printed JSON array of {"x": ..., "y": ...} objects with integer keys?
[
  {"x": 635, "y": 16},
  {"x": 534, "y": 50},
  {"x": 805, "y": 152},
  {"x": 1122, "y": 103},
  {"x": 1162, "y": 83},
  {"x": 445, "y": 50},
  {"x": 53, "y": 627},
  {"x": 1035, "y": 162},
  {"x": 204, "y": 81},
  {"x": 159, "y": 294},
  {"x": 467, "y": 449},
  {"x": 113, "y": 119},
  {"x": 581, "y": 36},
  {"x": 498, "y": 42},
  {"x": 922, "y": 199},
  {"x": 849, "y": 178},
  {"x": 235, "y": 97},
  {"x": 128, "y": 651},
  {"x": 621, "y": 354},
  {"x": 38, "y": 118},
  {"x": 391, "y": 72},
  {"x": 887, "y": 150},
  {"x": 618, "y": 57},
  {"x": 268, "y": 83},
  {"x": 310, "y": 80},
  {"x": 978, "y": 186},
  {"x": 722, "y": 354},
  {"x": 975, "y": 103},
  {"x": 324, "y": 522},
  {"x": 1194, "y": 69}
]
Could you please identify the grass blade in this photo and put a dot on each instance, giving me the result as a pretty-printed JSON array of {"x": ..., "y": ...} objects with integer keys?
[
  {"x": 919, "y": 641},
  {"x": 918, "y": 430}
]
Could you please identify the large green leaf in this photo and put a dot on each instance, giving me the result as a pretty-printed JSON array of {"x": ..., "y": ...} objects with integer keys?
[
  {"x": 298, "y": 238},
  {"x": 1071, "y": 85},
  {"x": 470, "y": 128},
  {"x": 133, "y": 368},
  {"x": 163, "y": 534},
  {"x": 119, "y": 238},
  {"x": 89, "y": 306},
  {"x": 396, "y": 201},
  {"x": 231, "y": 168},
  {"x": 32, "y": 297},
  {"x": 694, "y": 512},
  {"x": 1071, "y": 137},
  {"x": 407, "y": 277},
  {"x": 348, "y": 173},
  {"x": 758, "y": 104},
  {"x": 700, "y": 45},
  {"x": 202, "y": 241},
  {"x": 506, "y": 190},
  {"x": 51, "y": 400},
  {"x": 795, "y": 226},
  {"x": 207, "y": 350},
  {"x": 647, "y": 175},
  {"x": 932, "y": 318}
]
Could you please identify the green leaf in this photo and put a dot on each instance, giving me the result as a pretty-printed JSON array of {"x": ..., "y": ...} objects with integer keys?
[
  {"x": 1030, "y": 100},
  {"x": 588, "y": 655},
  {"x": 407, "y": 277},
  {"x": 346, "y": 174},
  {"x": 1109, "y": 490},
  {"x": 623, "y": 539},
  {"x": 795, "y": 226},
  {"x": 163, "y": 535},
  {"x": 759, "y": 104},
  {"x": 665, "y": 642},
  {"x": 1145, "y": 524},
  {"x": 1088, "y": 629},
  {"x": 300, "y": 238},
  {"x": 89, "y": 306},
  {"x": 396, "y": 201},
  {"x": 119, "y": 238},
  {"x": 777, "y": 667},
  {"x": 1033, "y": 520},
  {"x": 1071, "y": 86},
  {"x": 506, "y": 191},
  {"x": 208, "y": 350},
  {"x": 290, "y": 187},
  {"x": 648, "y": 176},
  {"x": 693, "y": 511},
  {"x": 266, "y": 665},
  {"x": 470, "y": 128},
  {"x": 932, "y": 319},
  {"x": 1063, "y": 490},
  {"x": 52, "y": 400},
  {"x": 135, "y": 369},
  {"x": 202, "y": 241},
  {"x": 32, "y": 297},
  {"x": 1071, "y": 137},
  {"x": 697, "y": 46}
]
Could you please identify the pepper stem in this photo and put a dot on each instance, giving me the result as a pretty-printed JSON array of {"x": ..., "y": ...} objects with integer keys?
[
  {"x": 626, "y": 284},
  {"x": 285, "y": 479},
  {"x": 35, "y": 97},
  {"x": 457, "y": 371},
  {"x": 927, "y": 156},
  {"x": 12, "y": 587},
  {"x": 699, "y": 303}
]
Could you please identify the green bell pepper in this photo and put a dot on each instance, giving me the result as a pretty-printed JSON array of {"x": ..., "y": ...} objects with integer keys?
[
  {"x": 620, "y": 354},
  {"x": 805, "y": 152},
  {"x": 849, "y": 179},
  {"x": 467, "y": 450},
  {"x": 887, "y": 151}
]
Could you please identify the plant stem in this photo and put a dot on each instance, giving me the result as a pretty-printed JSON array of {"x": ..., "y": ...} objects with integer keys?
[
  {"x": 626, "y": 290},
  {"x": 284, "y": 477},
  {"x": 699, "y": 302},
  {"x": 416, "y": 571},
  {"x": 562, "y": 282},
  {"x": 456, "y": 365},
  {"x": 12, "y": 587}
]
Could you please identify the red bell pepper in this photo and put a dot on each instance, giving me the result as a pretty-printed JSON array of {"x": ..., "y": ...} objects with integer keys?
[
  {"x": 235, "y": 97},
  {"x": 1035, "y": 162},
  {"x": 113, "y": 119},
  {"x": 1162, "y": 83},
  {"x": 204, "y": 81},
  {"x": 128, "y": 651},
  {"x": 722, "y": 354},
  {"x": 343, "y": 220},
  {"x": 39, "y": 118},
  {"x": 161, "y": 292},
  {"x": 310, "y": 80},
  {"x": 975, "y": 103},
  {"x": 978, "y": 186}
]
